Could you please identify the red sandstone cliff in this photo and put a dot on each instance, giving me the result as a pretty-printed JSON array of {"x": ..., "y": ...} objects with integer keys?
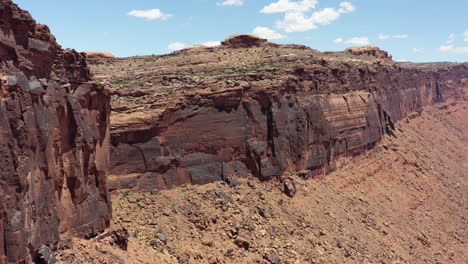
[
  {"x": 54, "y": 141},
  {"x": 250, "y": 109},
  {"x": 453, "y": 77}
]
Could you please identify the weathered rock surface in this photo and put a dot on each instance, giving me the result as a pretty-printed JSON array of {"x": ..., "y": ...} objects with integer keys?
[
  {"x": 452, "y": 79},
  {"x": 244, "y": 41},
  {"x": 402, "y": 202},
  {"x": 370, "y": 50},
  {"x": 262, "y": 111},
  {"x": 54, "y": 141}
]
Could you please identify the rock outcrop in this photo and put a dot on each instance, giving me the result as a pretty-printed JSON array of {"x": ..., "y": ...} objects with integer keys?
[
  {"x": 260, "y": 111},
  {"x": 370, "y": 50},
  {"x": 244, "y": 41},
  {"x": 54, "y": 141}
]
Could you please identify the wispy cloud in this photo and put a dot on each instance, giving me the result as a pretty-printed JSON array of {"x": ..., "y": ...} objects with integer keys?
[
  {"x": 419, "y": 50},
  {"x": 296, "y": 18},
  {"x": 150, "y": 14},
  {"x": 453, "y": 49},
  {"x": 180, "y": 46},
  {"x": 449, "y": 46},
  {"x": 267, "y": 33},
  {"x": 339, "y": 40},
  {"x": 346, "y": 7},
  {"x": 231, "y": 3},
  {"x": 384, "y": 37},
  {"x": 360, "y": 41},
  {"x": 451, "y": 38}
]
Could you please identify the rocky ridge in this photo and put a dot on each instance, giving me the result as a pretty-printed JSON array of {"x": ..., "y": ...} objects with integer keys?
[{"x": 54, "y": 142}]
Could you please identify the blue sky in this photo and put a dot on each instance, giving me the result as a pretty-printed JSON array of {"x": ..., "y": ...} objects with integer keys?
[{"x": 415, "y": 30}]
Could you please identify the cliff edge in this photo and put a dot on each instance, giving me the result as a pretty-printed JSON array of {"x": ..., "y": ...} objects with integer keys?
[
  {"x": 251, "y": 108},
  {"x": 54, "y": 141}
]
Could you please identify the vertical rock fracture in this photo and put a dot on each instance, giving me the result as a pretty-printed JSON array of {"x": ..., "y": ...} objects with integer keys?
[{"x": 54, "y": 141}]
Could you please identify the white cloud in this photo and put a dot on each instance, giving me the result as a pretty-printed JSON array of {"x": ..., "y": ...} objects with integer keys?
[
  {"x": 346, "y": 7},
  {"x": 446, "y": 48},
  {"x": 339, "y": 40},
  {"x": 359, "y": 41},
  {"x": 451, "y": 39},
  {"x": 212, "y": 43},
  {"x": 384, "y": 37},
  {"x": 454, "y": 49},
  {"x": 325, "y": 16},
  {"x": 231, "y": 3},
  {"x": 177, "y": 46},
  {"x": 449, "y": 47},
  {"x": 295, "y": 20},
  {"x": 267, "y": 33},
  {"x": 282, "y": 6},
  {"x": 150, "y": 14},
  {"x": 418, "y": 50}
]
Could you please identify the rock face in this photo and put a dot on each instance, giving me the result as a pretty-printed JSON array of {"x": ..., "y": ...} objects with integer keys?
[
  {"x": 269, "y": 131},
  {"x": 244, "y": 41},
  {"x": 259, "y": 111},
  {"x": 452, "y": 79},
  {"x": 54, "y": 141},
  {"x": 407, "y": 195}
]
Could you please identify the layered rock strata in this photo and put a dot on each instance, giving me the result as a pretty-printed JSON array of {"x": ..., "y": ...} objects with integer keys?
[
  {"x": 299, "y": 111},
  {"x": 454, "y": 81},
  {"x": 54, "y": 141}
]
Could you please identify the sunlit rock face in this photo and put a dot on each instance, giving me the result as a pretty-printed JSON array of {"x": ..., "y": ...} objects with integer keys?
[
  {"x": 286, "y": 110},
  {"x": 54, "y": 141}
]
